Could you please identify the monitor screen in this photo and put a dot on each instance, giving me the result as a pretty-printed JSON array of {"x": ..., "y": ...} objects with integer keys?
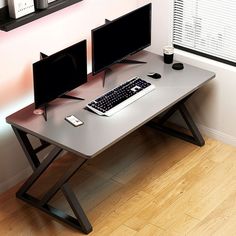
[
  {"x": 121, "y": 37},
  {"x": 59, "y": 73}
]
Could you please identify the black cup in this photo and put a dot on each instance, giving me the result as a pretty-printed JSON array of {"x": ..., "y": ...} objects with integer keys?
[
  {"x": 168, "y": 58},
  {"x": 168, "y": 52}
]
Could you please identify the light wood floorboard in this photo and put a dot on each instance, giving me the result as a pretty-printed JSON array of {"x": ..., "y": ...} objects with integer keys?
[{"x": 146, "y": 184}]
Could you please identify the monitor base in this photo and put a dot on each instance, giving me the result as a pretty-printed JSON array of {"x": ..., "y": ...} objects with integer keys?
[
  {"x": 127, "y": 61},
  {"x": 124, "y": 61},
  {"x": 106, "y": 71},
  {"x": 43, "y": 110},
  {"x": 70, "y": 97}
]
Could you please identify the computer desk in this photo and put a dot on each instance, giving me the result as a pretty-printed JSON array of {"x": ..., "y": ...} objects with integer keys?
[{"x": 98, "y": 132}]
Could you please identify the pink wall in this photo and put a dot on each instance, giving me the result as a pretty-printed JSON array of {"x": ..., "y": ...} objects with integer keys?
[{"x": 20, "y": 48}]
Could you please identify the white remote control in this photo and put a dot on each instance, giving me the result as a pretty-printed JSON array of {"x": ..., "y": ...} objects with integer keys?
[{"x": 73, "y": 120}]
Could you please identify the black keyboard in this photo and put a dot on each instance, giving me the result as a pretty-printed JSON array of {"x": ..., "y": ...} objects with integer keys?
[{"x": 121, "y": 96}]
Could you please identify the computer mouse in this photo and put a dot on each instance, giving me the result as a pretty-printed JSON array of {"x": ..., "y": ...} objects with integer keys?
[{"x": 154, "y": 75}]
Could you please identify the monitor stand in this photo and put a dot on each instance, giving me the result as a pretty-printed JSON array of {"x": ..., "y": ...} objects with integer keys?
[
  {"x": 42, "y": 111},
  {"x": 127, "y": 61},
  {"x": 44, "y": 108},
  {"x": 106, "y": 71},
  {"x": 124, "y": 61},
  {"x": 70, "y": 97}
]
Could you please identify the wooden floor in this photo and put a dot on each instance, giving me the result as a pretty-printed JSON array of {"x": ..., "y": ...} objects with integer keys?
[{"x": 147, "y": 184}]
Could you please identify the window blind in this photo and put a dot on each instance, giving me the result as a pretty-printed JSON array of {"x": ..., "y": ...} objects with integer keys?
[{"x": 207, "y": 28}]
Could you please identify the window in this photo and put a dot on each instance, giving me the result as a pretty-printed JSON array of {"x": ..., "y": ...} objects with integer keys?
[{"x": 206, "y": 28}]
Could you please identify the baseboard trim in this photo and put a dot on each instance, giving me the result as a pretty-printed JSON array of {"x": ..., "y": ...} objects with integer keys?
[{"x": 215, "y": 134}]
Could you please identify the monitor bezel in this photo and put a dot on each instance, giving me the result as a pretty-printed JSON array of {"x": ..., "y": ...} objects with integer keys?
[
  {"x": 108, "y": 22},
  {"x": 38, "y": 104}
]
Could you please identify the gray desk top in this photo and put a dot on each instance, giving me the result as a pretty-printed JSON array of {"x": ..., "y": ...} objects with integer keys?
[{"x": 99, "y": 132}]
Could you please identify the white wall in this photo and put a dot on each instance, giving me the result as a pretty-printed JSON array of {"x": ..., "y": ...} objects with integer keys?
[
  {"x": 213, "y": 106},
  {"x": 20, "y": 48}
]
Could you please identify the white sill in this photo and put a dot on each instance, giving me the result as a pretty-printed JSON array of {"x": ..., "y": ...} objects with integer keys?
[{"x": 187, "y": 55}]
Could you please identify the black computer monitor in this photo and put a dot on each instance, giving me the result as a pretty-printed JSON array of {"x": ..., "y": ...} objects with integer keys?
[
  {"x": 121, "y": 37},
  {"x": 59, "y": 73}
]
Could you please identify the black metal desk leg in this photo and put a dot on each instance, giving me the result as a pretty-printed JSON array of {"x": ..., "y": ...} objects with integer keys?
[
  {"x": 81, "y": 221},
  {"x": 191, "y": 125},
  {"x": 27, "y": 148},
  {"x": 77, "y": 209},
  {"x": 38, "y": 172},
  {"x": 196, "y": 137}
]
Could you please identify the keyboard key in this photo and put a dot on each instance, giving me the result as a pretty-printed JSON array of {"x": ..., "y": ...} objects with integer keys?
[{"x": 121, "y": 96}]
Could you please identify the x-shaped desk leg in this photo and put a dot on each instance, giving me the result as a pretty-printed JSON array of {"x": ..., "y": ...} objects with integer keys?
[
  {"x": 196, "y": 137},
  {"x": 81, "y": 221}
]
